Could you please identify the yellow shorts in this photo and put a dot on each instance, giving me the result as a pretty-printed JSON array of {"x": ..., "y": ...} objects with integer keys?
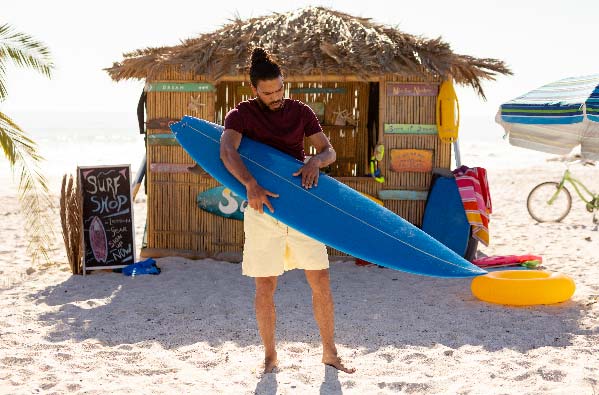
[{"x": 272, "y": 247}]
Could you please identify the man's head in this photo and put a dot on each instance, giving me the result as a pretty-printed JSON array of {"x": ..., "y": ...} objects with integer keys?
[{"x": 266, "y": 79}]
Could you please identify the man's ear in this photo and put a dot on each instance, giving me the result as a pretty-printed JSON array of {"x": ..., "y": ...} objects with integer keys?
[{"x": 254, "y": 90}]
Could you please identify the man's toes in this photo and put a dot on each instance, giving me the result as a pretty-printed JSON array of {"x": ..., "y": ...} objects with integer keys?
[{"x": 340, "y": 366}]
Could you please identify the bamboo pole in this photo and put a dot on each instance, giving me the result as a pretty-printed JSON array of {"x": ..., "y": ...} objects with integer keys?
[{"x": 381, "y": 124}]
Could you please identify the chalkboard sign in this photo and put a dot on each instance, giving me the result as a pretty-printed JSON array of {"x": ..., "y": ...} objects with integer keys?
[{"x": 107, "y": 214}]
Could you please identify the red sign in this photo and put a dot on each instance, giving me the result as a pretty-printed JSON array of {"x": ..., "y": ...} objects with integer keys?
[
  {"x": 416, "y": 160},
  {"x": 401, "y": 89}
]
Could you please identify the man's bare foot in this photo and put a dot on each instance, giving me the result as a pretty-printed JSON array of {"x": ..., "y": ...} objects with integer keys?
[
  {"x": 337, "y": 364},
  {"x": 270, "y": 365}
]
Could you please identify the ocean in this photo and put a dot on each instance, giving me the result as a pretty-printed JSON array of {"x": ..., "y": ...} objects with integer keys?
[
  {"x": 70, "y": 139},
  {"x": 67, "y": 140}
]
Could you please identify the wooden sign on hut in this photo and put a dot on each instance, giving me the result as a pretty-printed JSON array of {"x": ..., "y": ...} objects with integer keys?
[{"x": 371, "y": 84}]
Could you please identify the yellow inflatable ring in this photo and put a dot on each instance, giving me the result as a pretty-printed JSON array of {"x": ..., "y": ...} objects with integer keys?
[{"x": 523, "y": 287}]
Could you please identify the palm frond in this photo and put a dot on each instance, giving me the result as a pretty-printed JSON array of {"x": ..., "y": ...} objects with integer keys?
[
  {"x": 24, "y": 51},
  {"x": 14, "y": 139},
  {"x": 34, "y": 195}
]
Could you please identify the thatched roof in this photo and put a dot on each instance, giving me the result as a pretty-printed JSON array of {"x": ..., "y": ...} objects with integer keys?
[{"x": 312, "y": 41}]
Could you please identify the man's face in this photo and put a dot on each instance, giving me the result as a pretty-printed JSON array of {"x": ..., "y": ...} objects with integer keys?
[{"x": 270, "y": 93}]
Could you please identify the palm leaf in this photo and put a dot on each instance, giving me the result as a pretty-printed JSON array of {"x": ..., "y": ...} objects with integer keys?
[
  {"x": 24, "y": 51},
  {"x": 34, "y": 195}
]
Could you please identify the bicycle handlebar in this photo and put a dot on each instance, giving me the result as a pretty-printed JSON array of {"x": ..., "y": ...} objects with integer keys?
[{"x": 584, "y": 162}]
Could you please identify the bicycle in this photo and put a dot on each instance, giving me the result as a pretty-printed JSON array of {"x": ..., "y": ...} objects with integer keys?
[{"x": 551, "y": 201}]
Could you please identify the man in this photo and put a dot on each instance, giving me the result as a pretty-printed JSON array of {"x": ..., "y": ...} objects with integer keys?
[{"x": 271, "y": 247}]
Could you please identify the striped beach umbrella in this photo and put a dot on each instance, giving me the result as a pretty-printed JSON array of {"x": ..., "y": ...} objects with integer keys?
[{"x": 555, "y": 118}]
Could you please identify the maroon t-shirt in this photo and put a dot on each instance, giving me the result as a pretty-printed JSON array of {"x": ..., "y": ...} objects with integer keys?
[{"x": 284, "y": 129}]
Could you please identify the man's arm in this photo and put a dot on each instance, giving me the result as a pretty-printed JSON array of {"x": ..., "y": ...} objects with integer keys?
[
  {"x": 325, "y": 156},
  {"x": 257, "y": 196}
]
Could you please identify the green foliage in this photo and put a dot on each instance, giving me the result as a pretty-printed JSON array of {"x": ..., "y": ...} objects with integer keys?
[{"x": 21, "y": 151}]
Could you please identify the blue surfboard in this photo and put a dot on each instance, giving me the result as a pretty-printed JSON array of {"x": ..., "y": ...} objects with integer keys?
[
  {"x": 222, "y": 202},
  {"x": 444, "y": 215},
  {"x": 333, "y": 213}
]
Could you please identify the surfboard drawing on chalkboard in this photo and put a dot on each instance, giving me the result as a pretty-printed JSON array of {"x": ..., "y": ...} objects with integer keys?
[
  {"x": 98, "y": 240},
  {"x": 333, "y": 213}
]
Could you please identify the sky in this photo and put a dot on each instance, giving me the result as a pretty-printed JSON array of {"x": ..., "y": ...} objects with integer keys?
[{"x": 541, "y": 41}]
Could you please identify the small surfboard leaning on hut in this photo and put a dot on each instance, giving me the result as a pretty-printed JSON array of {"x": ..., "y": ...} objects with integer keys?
[{"x": 223, "y": 202}]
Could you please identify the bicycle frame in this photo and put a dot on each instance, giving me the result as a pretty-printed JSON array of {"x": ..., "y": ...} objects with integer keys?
[
  {"x": 558, "y": 190},
  {"x": 592, "y": 202}
]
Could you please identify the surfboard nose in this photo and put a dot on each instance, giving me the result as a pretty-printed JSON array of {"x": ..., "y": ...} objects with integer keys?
[
  {"x": 475, "y": 271},
  {"x": 457, "y": 267},
  {"x": 461, "y": 268},
  {"x": 466, "y": 267}
]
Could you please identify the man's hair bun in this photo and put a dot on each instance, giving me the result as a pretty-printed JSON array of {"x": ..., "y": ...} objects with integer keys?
[
  {"x": 259, "y": 55},
  {"x": 262, "y": 67}
]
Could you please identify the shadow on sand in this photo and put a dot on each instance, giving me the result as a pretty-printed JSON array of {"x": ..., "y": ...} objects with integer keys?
[{"x": 374, "y": 308}]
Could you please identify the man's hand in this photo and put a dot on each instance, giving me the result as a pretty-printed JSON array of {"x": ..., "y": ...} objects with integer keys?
[
  {"x": 310, "y": 172},
  {"x": 258, "y": 197}
]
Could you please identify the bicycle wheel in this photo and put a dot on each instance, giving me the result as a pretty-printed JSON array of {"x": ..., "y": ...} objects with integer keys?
[{"x": 540, "y": 206}]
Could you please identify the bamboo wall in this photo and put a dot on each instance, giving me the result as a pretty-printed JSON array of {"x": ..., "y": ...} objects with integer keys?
[
  {"x": 175, "y": 223},
  {"x": 176, "y": 226},
  {"x": 350, "y": 142},
  {"x": 410, "y": 110}
]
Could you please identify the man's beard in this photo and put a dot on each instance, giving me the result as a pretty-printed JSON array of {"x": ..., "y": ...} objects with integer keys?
[{"x": 268, "y": 108}]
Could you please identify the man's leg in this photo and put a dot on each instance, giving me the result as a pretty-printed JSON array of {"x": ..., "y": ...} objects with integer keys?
[
  {"x": 266, "y": 318},
  {"x": 322, "y": 303}
]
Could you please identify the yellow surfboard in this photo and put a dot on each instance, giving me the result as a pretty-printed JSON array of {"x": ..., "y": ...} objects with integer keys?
[{"x": 448, "y": 112}]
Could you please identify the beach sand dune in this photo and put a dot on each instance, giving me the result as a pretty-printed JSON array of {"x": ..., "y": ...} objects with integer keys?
[{"x": 191, "y": 329}]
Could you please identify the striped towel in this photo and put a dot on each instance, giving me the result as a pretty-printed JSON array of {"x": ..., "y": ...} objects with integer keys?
[{"x": 476, "y": 197}]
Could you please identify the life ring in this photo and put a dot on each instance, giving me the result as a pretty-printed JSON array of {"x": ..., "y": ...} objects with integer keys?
[{"x": 523, "y": 287}]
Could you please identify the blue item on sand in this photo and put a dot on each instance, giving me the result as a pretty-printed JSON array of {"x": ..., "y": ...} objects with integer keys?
[
  {"x": 142, "y": 267},
  {"x": 444, "y": 215}
]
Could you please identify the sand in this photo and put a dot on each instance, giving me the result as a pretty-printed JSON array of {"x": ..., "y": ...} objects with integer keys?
[{"x": 191, "y": 329}]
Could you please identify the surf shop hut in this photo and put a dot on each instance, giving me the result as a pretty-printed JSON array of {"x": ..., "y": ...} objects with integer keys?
[{"x": 370, "y": 85}]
